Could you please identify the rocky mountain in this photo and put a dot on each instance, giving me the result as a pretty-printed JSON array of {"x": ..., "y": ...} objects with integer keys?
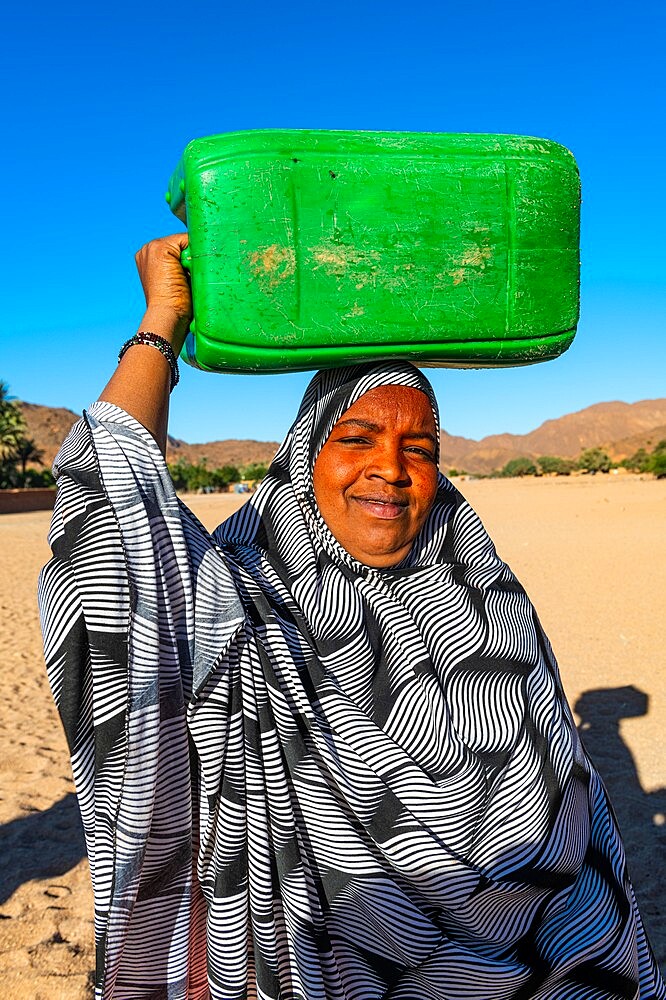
[
  {"x": 220, "y": 453},
  {"x": 630, "y": 445},
  {"x": 48, "y": 426},
  {"x": 619, "y": 428}
]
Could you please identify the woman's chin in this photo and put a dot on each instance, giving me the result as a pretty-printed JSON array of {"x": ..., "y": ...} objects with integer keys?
[{"x": 378, "y": 553}]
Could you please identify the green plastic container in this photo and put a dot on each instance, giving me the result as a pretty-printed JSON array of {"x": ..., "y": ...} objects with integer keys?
[{"x": 312, "y": 249}]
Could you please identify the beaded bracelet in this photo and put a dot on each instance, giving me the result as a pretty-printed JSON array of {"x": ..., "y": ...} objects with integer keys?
[{"x": 162, "y": 345}]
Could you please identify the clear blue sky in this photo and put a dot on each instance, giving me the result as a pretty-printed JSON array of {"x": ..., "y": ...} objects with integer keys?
[{"x": 99, "y": 106}]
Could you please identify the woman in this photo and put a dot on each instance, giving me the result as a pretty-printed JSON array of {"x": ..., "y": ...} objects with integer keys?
[{"x": 341, "y": 707}]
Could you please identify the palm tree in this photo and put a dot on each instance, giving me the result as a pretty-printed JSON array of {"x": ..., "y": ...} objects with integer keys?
[
  {"x": 25, "y": 451},
  {"x": 12, "y": 423}
]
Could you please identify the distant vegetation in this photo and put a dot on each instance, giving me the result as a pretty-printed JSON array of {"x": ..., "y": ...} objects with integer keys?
[
  {"x": 16, "y": 449},
  {"x": 192, "y": 478},
  {"x": 519, "y": 467},
  {"x": 594, "y": 460},
  {"x": 591, "y": 460},
  {"x": 643, "y": 461},
  {"x": 553, "y": 465}
]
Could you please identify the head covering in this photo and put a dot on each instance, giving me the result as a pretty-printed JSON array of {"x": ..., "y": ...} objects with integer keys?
[{"x": 295, "y": 541}]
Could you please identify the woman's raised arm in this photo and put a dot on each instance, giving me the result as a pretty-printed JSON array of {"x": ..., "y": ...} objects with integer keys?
[{"x": 141, "y": 382}]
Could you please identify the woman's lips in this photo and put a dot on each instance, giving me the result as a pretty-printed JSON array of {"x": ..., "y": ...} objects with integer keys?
[{"x": 386, "y": 508}]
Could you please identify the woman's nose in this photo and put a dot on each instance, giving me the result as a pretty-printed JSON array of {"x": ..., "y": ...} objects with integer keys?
[{"x": 387, "y": 463}]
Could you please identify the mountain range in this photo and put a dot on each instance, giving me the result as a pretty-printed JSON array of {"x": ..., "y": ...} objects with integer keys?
[{"x": 619, "y": 428}]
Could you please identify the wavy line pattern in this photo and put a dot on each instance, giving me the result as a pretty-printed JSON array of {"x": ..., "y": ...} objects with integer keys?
[{"x": 304, "y": 779}]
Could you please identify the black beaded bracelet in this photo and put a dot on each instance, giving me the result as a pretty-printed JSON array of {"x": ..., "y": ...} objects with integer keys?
[{"x": 162, "y": 345}]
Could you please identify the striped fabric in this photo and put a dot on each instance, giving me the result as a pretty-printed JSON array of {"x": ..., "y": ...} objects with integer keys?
[{"x": 305, "y": 779}]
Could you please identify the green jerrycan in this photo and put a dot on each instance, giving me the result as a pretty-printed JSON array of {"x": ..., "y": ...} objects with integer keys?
[{"x": 311, "y": 249}]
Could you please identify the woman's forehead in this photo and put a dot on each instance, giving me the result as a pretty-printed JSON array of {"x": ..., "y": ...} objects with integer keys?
[{"x": 392, "y": 405}]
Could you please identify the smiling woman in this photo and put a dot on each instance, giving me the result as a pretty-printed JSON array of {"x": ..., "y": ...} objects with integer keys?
[
  {"x": 325, "y": 752},
  {"x": 375, "y": 479}
]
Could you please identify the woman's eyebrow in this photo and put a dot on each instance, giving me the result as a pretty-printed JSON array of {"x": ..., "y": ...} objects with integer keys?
[
  {"x": 423, "y": 434},
  {"x": 365, "y": 424},
  {"x": 369, "y": 426}
]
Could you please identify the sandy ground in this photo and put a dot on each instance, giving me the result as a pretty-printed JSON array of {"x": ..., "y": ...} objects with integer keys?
[{"x": 591, "y": 552}]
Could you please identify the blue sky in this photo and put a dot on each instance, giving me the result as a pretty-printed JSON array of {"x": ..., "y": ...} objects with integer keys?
[{"x": 99, "y": 106}]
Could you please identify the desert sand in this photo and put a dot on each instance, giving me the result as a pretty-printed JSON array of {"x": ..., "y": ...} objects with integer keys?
[{"x": 591, "y": 552}]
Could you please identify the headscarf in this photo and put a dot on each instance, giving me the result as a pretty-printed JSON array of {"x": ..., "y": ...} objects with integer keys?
[
  {"x": 390, "y": 798},
  {"x": 283, "y": 520}
]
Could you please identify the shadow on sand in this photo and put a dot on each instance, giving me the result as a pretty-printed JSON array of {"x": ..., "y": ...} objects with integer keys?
[
  {"x": 641, "y": 815},
  {"x": 42, "y": 845}
]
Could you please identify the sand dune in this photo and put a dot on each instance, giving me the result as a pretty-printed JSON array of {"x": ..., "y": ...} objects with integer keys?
[{"x": 592, "y": 554}]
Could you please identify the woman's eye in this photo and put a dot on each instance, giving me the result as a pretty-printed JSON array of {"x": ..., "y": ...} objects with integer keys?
[{"x": 414, "y": 449}]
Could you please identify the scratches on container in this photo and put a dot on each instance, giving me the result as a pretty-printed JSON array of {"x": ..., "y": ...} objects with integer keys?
[
  {"x": 474, "y": 259},
  {"x": 273, "y": 264},
  {"x": 356, "y": 310},
  {"x": 341, "y": 260}
]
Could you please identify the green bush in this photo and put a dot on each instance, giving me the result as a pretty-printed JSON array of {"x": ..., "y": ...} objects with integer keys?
[
  {"x": 254, "y": 471},
  {"x": 221, "y": 478},
  {"x": 520, "y": 467},
  {"x": 38, "y": 479},
  {"x": 657, "y": 464},
  {"x": 191, "y": 478},
  {"x": 553, "y": 464},
  {"x": 638, "y": 462},
  {"x": 594, "y": 460},
  {"x": 644, "y": 461},
  {"x": 9, "y": 477}
]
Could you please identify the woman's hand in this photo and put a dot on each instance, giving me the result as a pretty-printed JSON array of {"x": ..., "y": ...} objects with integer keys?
[
  {"x": 142, "y": 381},
  {"x": 166, "y": 287}
]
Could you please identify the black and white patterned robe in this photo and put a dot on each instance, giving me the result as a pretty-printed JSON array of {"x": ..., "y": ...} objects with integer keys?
[{"x": 302, "y": 778}]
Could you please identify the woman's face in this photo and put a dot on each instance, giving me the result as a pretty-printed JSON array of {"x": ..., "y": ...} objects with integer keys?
[{"x": 375, "y": 479}]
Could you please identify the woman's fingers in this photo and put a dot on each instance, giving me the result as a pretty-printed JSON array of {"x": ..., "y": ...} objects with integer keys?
[{"x": 165, "y": 283}]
